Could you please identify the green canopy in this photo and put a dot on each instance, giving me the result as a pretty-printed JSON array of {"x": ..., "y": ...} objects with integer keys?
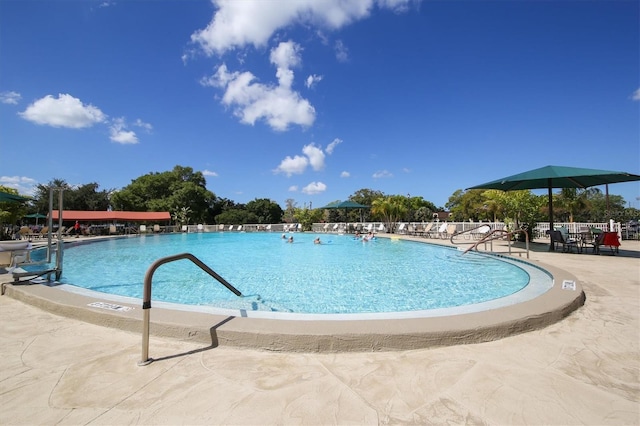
[
  {"x": 7, "y": 197},
  {"x": 36, "y": 216},
  {"x": 345, "y": 205},
  {"x": 557, "y": 177}
]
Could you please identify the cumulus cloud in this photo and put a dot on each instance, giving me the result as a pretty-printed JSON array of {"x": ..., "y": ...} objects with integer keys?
[
  {"x": 315, "y": 156},
  {"x": 118, "y": 132},
  {"x": 209, "y": 173},
  {"x": 10, "y": 97},
  {"x": 278, "y": 105},
  {"x": 146, "y": 126},
  {"x": 332, "y": 146},
  {"x": 636, "y": 95},
  {"x": 63, "y": 111},
  {"x": 314, "y": 188},
  {"x": 312, "y": 80},
  {"x": 236, "y": 24},
  {"x": 345, "y": 174},
  {"x": 24, "y": 185},
  {"x": 293, "y": 188},
  {"x": 382, "y": 174},
  {"x": 290, "y": 166}
]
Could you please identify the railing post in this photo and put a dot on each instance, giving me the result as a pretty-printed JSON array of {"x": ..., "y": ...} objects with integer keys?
[{"x": 146, "y": 297}]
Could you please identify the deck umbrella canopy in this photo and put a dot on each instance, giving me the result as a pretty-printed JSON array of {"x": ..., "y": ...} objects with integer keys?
[
  {"x": 346, "y": 205},
  {"x": 7, "y": 197},
  {"x": 557, "y": 177}
]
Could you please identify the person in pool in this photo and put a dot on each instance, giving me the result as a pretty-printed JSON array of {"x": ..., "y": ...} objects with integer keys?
[
  {"x": 317, "y": 241},
  {"x": 290, "y": 240}
]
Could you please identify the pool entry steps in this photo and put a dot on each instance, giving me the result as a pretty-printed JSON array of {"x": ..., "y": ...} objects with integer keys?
[{"x": 146, "y": 301}]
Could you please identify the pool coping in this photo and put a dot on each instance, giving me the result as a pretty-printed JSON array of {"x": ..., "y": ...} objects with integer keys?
[{"x": 316, "y": 335}]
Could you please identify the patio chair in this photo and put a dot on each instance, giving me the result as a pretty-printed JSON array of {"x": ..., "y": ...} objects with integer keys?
[{"x": 561, "y": 236}]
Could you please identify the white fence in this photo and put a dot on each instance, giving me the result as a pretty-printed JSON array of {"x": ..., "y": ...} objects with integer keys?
[{"x": 408, "y": 228}]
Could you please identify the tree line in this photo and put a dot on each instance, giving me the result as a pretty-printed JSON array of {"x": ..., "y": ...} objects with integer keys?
[{"x": 182, "y": 192}]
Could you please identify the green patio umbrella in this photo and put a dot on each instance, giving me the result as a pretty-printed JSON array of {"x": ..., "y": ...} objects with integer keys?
[
  {"x": 557, "y": 177},
  {"x": 7, "y": 197},
  {"x": 346, "y": 205},
  {"x": 36, "y": 216}
]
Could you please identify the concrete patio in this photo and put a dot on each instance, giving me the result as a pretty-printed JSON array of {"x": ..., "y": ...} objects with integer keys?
[{"x": 584, "y": 369}]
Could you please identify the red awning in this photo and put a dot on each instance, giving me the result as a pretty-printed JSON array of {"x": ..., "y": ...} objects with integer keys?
[{"x": 85, "y": 215}]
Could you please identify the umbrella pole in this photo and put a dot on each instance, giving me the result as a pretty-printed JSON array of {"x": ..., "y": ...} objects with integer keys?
[{"x": 552, "y": 244}]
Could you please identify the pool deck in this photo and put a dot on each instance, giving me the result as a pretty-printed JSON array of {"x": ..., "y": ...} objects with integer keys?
[{"x": 583, "y": 369}]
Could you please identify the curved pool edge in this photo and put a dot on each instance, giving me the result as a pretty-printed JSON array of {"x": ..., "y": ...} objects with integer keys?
[{"x": 317, "y": 335}]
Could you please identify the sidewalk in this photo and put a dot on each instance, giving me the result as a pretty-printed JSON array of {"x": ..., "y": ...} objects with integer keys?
[{"x": 584, "y": 369}]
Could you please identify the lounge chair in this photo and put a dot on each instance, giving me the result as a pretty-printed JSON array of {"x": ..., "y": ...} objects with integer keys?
[
  {"x": 400, "y": 229},
  {"x": 442, "y": 230},
  {"x": 381, "y": 228},
  {"x": 428, "y": 230}
]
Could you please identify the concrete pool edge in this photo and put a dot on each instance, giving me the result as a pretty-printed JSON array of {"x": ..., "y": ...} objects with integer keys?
[{"x": 317, "y": 335}]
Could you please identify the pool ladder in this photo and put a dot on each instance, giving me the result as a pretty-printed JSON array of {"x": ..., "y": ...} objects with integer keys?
[
  {"x": 146, "y": 300},
  {"x": 496, "y": 234}
]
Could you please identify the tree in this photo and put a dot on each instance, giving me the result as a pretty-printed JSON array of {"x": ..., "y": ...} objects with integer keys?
[
  {"x": 80, "y": 197},
  {"x": 390, "y": 209},
  {"x": 266, "y": 211},
  {"x": 365, "y": 197},
  {"x": 289, "y": 211},
  {"x": 167, "y": 191},
  {"x": 466, "y": 205},
  {"x": 571, "y": 200},
  {"x": 10, "y": 213},
  {"x": 236, "y": 217},
  {"x": 307, "y": 217}
]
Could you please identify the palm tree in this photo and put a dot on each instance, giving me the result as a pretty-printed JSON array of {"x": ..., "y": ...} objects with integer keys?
[
  {"x": 390, "y": 208},
  {"x": 572, "y": 200}
]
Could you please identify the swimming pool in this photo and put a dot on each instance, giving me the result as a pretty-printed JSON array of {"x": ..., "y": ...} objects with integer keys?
[{"x": 341, "y": 276}]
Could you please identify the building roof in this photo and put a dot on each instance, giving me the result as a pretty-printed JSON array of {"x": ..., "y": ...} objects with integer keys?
[{"x": 86, "y": 215}]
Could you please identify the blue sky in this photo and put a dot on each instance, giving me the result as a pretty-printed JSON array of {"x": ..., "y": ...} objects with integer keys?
[{"x": 314, "y": 100}]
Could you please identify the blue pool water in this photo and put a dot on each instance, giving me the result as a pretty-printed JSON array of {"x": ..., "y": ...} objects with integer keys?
[{"x": 340, "y": 276}]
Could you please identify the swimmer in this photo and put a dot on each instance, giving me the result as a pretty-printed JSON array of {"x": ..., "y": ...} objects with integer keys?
[
  {"x": 284, "y": 237},
  {"x": 317, "y": 241},
  {"x": 290, "y": 240}
]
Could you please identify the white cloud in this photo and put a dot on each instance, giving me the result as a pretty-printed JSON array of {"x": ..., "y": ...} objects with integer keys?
[
  {"x": 64, "y": 111},
  {"x": 278, "y": 105},
  {"x": 291, "y": 166},
  {"x": 10, "y": 97},
  {"x": 118, "y": 132},
  {"x": 293, "y": 188},
  {"x": 312, "y": 80},
  {"x": 382, "y": 174},
  {"x": 209, "y": 173},
  {"x": 24, "y": 185},
  {"x": 236, "y": 24},
  {"x": 636, "y": 95},
  {"x": 333, "y": 145},
  {"x": 315, "y": 155},
  {"x": 342, "y": 53},
  {"x": 314, "y": 188},
  {"x": 345, "y": 174},
  {"x": 146, "y": 126}
]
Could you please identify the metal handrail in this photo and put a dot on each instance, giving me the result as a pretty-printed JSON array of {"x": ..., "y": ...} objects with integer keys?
[
  {"x": 469, "y": 231},
  {"x": 146, "y": 300},
  {"x": 492, "y": 236}
]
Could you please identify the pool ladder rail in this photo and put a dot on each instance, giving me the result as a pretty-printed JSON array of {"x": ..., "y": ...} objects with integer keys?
[
  {"x": 146, "y": 300},
  {"x": 489, "y": 237}
]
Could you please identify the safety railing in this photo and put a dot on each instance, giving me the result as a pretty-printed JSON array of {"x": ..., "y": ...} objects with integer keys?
[
  {"x": 146, "y": 300},
  {"x": 501, "y": 234}
]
